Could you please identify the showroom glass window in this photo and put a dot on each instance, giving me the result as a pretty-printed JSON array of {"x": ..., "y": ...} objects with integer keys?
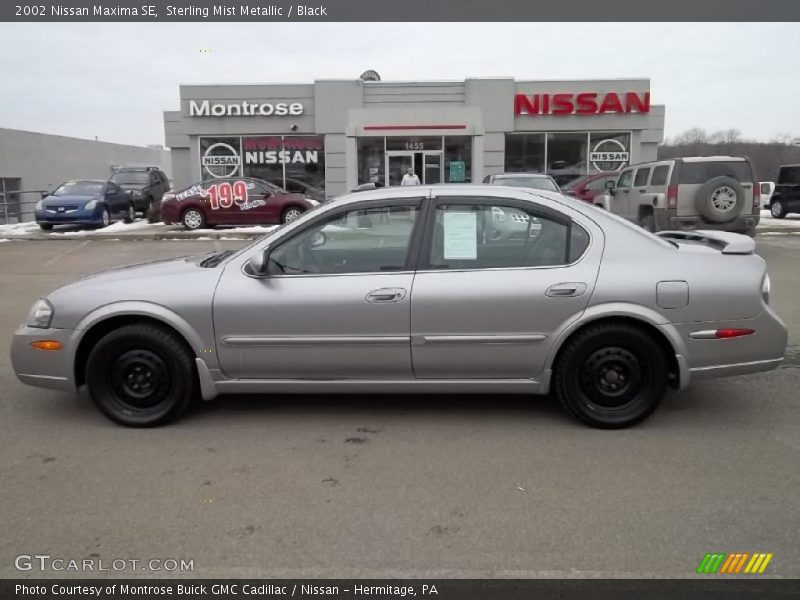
[
  {"x": 288, "y": 161},
  {"x": 525, "y": 153},
  {"x": 567, "y": 154},
  {"x": 458, "y": 159},
  {"x": 371, "y": 161}
]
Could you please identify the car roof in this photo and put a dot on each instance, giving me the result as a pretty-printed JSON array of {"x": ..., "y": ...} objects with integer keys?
[
  {"x": 509, "y": 175},
  {"x": 710, "y": 158},
  {"x": 84, "y": 181}
]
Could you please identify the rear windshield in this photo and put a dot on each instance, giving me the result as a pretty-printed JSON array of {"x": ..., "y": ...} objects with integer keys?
[
  {"x": 700, "y": 172},
  {"x": 537, "y": 183}
]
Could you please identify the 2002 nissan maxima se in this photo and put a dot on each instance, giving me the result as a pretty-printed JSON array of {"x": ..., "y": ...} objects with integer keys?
[{"x": 446, "y": 289}]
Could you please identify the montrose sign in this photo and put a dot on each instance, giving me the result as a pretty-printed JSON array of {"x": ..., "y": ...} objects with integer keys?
[
  {"x": 583, "y": 103},
  {"x": 206, "y": 108}
]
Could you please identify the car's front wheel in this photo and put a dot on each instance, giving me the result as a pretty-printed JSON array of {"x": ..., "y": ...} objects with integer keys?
[
  {"x": 192, "y": 219},
  {"x": 130, "y": 215},
  {"x": 105, "y": 218},
  {"x": 777, "y": 209},
  {"x": 611, "y": 375},
  {"x": 141, "y": 375}
]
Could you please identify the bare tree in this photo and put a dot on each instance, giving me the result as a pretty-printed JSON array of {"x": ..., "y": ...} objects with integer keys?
[
  {"x": 732, "y": 136},
  {"x": 695, "y": 135},
  {"x": 785, "y": 137}
]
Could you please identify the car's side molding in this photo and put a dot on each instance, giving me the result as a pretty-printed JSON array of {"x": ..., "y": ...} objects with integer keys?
[{"x": 622, "y": 310}]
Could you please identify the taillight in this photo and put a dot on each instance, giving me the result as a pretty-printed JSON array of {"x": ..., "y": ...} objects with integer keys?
[
  {"x": 672, "y": 196},
  {"x": 756, "y": 194},
  {"x": 766, "y": 288},
  {"x": 732, "y": 333}
]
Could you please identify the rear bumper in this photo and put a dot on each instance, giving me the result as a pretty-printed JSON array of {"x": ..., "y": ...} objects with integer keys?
[
  {"x": 764, "y": 350},
  {"x": 668, "y": 219}
]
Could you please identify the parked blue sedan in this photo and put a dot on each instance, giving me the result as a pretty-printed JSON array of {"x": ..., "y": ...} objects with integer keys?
[{"x": 84, "y": 202}]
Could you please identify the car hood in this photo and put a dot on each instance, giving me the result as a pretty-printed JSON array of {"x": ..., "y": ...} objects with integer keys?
[
  {"x": 132, "y": 187},
  {"x": 172, "y": 283},
  {"x": 69, "y": 200}
]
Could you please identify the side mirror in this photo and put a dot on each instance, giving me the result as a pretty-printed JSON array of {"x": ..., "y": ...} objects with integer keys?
[
  {"x": 45, "y": 195},
  {"x": 257, "y": 265}
]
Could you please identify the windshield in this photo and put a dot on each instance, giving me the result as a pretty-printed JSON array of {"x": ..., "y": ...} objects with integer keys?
[
  {"x": 572, "y": 184},
  {"x": 79, "y": 188},
  {"x": 537, "y": 183},
  {"x": 126, "y": 177}
]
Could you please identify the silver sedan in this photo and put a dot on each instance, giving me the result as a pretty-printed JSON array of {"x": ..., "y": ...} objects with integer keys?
[{"x": 455, "y": 289}]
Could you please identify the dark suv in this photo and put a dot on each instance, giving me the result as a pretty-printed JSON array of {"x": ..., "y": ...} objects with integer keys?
[
  {"x": 146, "y": 186},
  {"x": 786, "y": 197}
]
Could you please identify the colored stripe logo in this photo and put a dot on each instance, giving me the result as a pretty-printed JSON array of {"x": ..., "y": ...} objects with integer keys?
[{"x": 734, "y": 563}]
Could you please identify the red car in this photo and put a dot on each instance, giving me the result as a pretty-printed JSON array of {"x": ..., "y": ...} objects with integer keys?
[
  {"x": 233, "y": 201},
  {"x": 587, "y": 187}
]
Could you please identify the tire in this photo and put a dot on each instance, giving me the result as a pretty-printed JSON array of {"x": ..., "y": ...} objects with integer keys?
[
  {"x": 777, "y": 209},
  {"x": 105, "y": 218},
  {"x": 583, "y": 380},
  {"x": 290, "y": 214},
  {"x": 130, "y": 216},
  {"x": 46, "y": 226},
  {"x": 648, "y": 223},
  {"x": 192, "y": 219},
  {"x": 720, "y": 200},
  {"x": 150, "y": 213},
  {"x": 141, "y": 375}
]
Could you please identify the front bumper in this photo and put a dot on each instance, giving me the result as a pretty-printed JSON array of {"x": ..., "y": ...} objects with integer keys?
[
  {"x": 73, "y": 217},
  {"x": 43, "y": 368}
]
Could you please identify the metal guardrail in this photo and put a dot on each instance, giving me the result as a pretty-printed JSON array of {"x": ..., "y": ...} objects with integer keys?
[{"x": 12, "y": 203}]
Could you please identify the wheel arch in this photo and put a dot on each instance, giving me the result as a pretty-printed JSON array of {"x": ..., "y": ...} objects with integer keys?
[
  {"x": 108, "y": 318},
  {"x": 645, "y": 319}
]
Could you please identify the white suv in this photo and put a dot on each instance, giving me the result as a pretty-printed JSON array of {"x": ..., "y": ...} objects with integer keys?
[{"x": 709, "y": 192}]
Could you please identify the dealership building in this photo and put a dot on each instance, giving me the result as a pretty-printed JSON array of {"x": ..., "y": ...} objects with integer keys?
[{"x": 337, "y": 134}]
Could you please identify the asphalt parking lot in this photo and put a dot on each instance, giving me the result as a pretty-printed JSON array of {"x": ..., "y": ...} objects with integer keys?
[{"x": 416, "y": 486}]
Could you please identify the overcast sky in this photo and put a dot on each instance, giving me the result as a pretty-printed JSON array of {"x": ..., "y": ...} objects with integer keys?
[{"x": 114, "y": 80}]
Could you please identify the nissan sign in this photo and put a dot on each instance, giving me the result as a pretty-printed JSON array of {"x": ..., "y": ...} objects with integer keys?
[
  {"x": 585, "y": 103},
  {"x": 205, "y": 108}
]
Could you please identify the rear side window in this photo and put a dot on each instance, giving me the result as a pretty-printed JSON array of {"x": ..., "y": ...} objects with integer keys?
[
  {"x": 641, "y": 177},
  {"x": 789, "y": 175},
  {"x": 700, "y": 172},
  {"x": 660, "y": 175}
]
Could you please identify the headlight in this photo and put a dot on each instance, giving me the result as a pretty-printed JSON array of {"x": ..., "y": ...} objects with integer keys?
[
  {"x": 312, "y": 202},
  {"x": 90, "y": 204},
  {"x": 765, "y": 288},
  {"x": 41, "y": 314},
  {"x": 39, "y": 206}
]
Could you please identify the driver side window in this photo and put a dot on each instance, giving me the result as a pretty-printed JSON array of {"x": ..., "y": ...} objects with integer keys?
[
  {"x": 625, "y": 179},
  {"x": 357, "y": 241}
]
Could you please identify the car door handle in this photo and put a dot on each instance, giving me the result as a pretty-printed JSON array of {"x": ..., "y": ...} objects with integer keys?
[
  {"x": 386, "y": 295},
  {"x": 566, "y": 290}
]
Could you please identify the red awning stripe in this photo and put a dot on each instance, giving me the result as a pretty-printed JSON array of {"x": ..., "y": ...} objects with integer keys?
[{"x": 405, "y": 127}]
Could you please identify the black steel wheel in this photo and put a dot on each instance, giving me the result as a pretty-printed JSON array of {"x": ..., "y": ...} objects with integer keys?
[
  {"x": 141, "y": 375},
  {"x": 611, "y": 375}
]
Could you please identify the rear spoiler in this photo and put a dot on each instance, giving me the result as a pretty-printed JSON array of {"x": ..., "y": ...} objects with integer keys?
[{"x": 726, "y": 242}]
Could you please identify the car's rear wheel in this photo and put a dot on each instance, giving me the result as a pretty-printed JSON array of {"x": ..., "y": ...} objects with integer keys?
[
  {"x": 141, "y": 375},
  {"x": 648, "y": 223},
  {"x": 777, "y": 209},
  {"x": 720, "y": 200},
  {"x": 105, "y": 218},
  {"x": 290, "y": 214},
  {"x": 46, "y": 226},
  {"x": 611, "y": 375},
  {"x": 193, "y": 218},
  {"x": 130, "y": 216}
]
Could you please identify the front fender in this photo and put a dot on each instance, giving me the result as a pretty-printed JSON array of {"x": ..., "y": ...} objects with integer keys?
[{"x": 152, "y": 310}]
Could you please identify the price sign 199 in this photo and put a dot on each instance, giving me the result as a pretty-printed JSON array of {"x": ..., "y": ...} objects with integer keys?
[{"x": 223, "y": 195}]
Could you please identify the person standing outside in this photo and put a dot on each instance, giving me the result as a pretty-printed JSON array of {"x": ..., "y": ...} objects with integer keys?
[{"x": 410, "y": 178}]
